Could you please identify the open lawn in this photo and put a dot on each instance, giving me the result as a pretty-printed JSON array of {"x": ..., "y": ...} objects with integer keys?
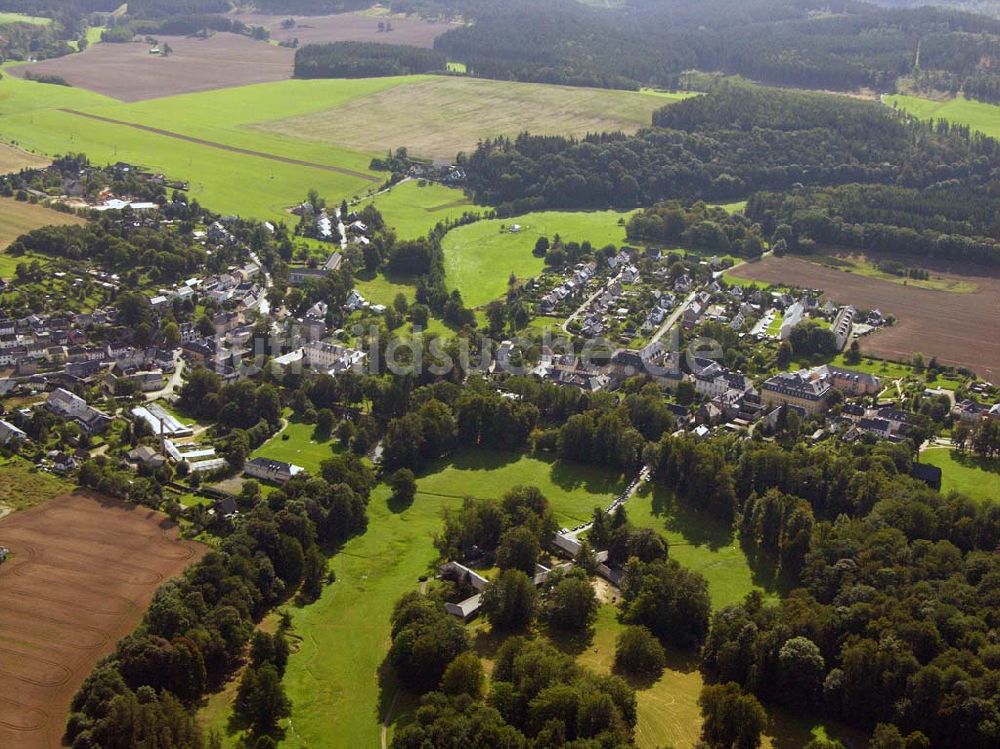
[
  {"x": 701, "y": 544},
  {"x": 445, "y": 115},
  {"x": 573, "y": 489},
  {"x": 479, "y": 257},
  {"x": 961, "y": 111},
  {"x": 967, "y": 473},
  {"x": 17, "y": 218},
  {"x": 304, "y": 447},
  {"x": 412, "y": 208}
]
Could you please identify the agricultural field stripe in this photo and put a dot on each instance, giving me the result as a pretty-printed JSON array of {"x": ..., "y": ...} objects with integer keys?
[{"x": 223, "y": 146}]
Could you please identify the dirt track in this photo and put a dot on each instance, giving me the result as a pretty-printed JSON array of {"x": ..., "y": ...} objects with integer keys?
[
  {"x": 959, "y": 329},
  {"x": 223, "y": 146},
  {"x": 82, "y": 570}
]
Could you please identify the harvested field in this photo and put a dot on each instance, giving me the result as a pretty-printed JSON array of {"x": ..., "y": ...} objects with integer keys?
[
  {"x": 17, "y": 218},
  {"x": 959, "y": 329},
  {"x": 13, "y": 159},
  {"x": 351, "y": 27},
  {"x": 82, "y": 571},
  {"x": 445, "y": 115},
  {"x": 128, "y": 72}
]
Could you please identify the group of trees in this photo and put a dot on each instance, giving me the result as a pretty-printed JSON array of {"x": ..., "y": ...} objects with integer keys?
[
  {"x": 511, "y": 530},
  {"x": 696, "y": 225},
  {"x": 365, "y": 60},
  {"x": 951, "y": 219},
  {"x": 198, "y": 627},
  {"x": 537, "y": 697}
]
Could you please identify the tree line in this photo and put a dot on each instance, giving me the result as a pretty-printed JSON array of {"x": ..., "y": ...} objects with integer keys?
[
  {"x": 200, "y": 627},
  {"x": 365, "y": 60}
]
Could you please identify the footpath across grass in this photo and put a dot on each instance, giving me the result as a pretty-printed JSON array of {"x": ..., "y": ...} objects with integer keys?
[{"x": 976, "y": 477}]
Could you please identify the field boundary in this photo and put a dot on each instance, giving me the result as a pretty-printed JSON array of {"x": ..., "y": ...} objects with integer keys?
[{"x": 223, "y": 146}]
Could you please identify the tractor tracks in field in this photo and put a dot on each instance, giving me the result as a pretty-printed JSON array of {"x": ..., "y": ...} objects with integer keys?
[{"x": 223, "y": 146}]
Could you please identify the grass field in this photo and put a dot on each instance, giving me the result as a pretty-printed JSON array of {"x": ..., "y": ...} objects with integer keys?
[
  {"x": 969, "y": 474},
  {"x": 413, "y": 208},
  {"x": 6, "y": 18},
  {"x": 22, "y": 487},
  {"x": 303, "y": 447},
  {"x": 332, "y": 679},
  {"x": 445, "y": 115},
  {"x": 17, "y": 218},
  {"x": 701, "y": 544},
  {"x": 976, "y": 114},
  {"x": 479, "y": 258}
]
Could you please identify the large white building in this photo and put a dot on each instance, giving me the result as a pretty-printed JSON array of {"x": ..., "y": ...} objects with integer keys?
[{"x": 332, "y": 357}]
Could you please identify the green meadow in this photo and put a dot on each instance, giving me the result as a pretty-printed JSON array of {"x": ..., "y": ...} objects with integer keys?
[
  {"x": 479, "y": 257},
  {"x": 961, "y": 111},
  {"x": 333, "y": 676},
  {"x": 6, "y": 18},
  {"x": 304, "y": 446},
  {"x": 414, "y": 207},
  {"x": 976, "y": 477},
  {"x": 702, "y": 544}
]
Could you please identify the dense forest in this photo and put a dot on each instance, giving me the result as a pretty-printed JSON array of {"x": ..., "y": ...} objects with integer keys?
[
  {"x": 841, "y": 45},
  {"x": 740, "y": 139},
  {"x": 365, "y": 60}
]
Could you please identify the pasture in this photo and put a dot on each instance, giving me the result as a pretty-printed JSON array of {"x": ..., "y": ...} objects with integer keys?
[
  {"x": 351, "y": 27},
  {"x": 976, "y": 477},
  {"x": 964, "y": 336},
  {"x": 412, "y": 208},
  {"x": 960, "y": 111},
  {"x": 445, "y": 115},
  {"x": 17, "y": 218},
  {"x": 479, "y": 257},
  {"x": 82, "y": 570},
  {"x": 127, "y": 71}
]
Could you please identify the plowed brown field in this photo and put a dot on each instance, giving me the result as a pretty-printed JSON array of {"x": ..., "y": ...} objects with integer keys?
[
  {"x": 128, "y": 72},
  {"x": 959, "y": 329},
  {"x": 82, "y": 570}
]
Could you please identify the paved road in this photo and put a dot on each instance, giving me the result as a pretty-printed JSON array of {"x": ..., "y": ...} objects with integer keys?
[
  {"x": 172, "y": 383},
  {"x": 673, "y": 317},
  {"x": 586, "y": 304}
]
